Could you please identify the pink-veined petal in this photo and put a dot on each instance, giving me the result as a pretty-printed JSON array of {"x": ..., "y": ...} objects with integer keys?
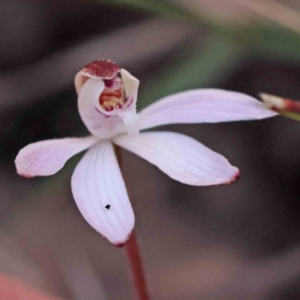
[
  {"x": 102, "y": 123},
  {"x": 48, "y": 157},
  {"x": 181, "y": 157},
  {"x": 203, "y": 106},
  {"x": 100, "y": 193}
]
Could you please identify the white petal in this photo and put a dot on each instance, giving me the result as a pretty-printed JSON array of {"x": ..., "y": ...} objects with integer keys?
[
  {"x": 48, "y": 157},
  {"x": 131, "y": 120},
  {"x": 181, "y": 157},
  {"x": 131, "y": 85},
  {"x": 128, "y": 113},
  {"x": 203, "y": 106},
  {"x": 98, "y": 121},
  {"x": 96, "y": 183}
]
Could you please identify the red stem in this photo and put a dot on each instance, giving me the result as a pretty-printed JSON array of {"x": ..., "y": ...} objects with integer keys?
[
  {"x": 134, "y": 257},
  {"x": 133, "y": 253}
]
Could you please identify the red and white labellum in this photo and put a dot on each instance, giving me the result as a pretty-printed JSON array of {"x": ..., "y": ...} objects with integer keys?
[
  {"x": 107, "y": 98},
  {"x": 98, "y": 69}
]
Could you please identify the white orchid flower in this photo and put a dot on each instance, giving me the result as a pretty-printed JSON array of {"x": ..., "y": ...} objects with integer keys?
[{"x": 107, "y": 98}]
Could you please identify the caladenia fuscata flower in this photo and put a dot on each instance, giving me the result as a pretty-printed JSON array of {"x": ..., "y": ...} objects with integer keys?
[{"x": 107, "y": 97}]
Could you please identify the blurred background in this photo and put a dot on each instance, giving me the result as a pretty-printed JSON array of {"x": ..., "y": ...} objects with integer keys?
[{"x": 227, "y": 242}]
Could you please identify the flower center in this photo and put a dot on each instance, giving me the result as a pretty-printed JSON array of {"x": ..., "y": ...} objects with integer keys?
[{"x": 110, "y": 100}]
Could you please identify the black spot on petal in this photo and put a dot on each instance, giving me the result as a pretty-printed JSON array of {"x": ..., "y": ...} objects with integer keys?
[{"x": 107, "y": 206}]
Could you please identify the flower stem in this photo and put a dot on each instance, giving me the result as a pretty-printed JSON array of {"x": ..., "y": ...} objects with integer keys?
[
  {"x": 133, "y": 253},
  {"x": 134, "y": 257}
]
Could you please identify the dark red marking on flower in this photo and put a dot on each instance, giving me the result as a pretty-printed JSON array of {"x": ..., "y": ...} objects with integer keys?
[
  {"x": 234, "y": 178},
  {"x": 237, "y": 176},
  {"x": 102, "y": 68},
  {"x": 120, "y": 245},
  {"x": 101, "y": 113},
  {"x": 109, "y": 82},
  {"x": 128, "y": 102},
  {"x": 26, "y": 176}
]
